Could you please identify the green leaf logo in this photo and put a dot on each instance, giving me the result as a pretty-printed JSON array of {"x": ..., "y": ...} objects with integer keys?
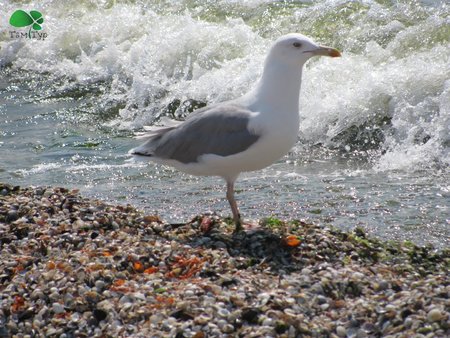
[{"x": 21, "y": 18}]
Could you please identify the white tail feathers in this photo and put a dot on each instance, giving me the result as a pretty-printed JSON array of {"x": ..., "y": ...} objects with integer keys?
[{"x": 164, "y": 123}]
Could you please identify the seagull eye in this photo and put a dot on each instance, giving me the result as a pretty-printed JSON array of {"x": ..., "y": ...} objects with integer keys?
[{"x": 297, "y": 44}]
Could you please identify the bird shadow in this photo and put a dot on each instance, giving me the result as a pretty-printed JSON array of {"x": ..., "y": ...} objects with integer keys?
[{"x": 260, "y": 247}]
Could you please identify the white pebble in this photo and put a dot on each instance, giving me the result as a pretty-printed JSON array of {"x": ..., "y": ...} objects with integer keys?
[
  {"x": 125, "y": 299},
  {"x": 37, "y": 293},
  {"x": 390, "y": 307},
  {"x": 75, "y": 317},
  {"x": 306, "y": 271},
  {"x": 267, "y": 322},
  {"x": 58, "y": 308},
  {"x": 341, "y": 331},
  {"x": 221, "y": 323},
  {"x": 325, "y": 306},
  {"x": 42, "y": 312},
  {"x": 358, "y": 275},
  {"x": 51, "y": 331},
  {"x": 54, "y": 296},
  {"x": 156, "y": 318},
  {"x": 139, "y": 295},
  {"x": 100, "y": 285},
  {"x": 37, "y": 323},
  {"x": 202, "y": 319},
  {"x": 227, "y": 328},
  {"x": 224, "y": 313},
  {"x": 189, "y": 293},
  {"x": 434, "y": 315}
]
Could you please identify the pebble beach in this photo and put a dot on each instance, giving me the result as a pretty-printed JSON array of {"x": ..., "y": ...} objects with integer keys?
[{"x": 76, "y": 267}]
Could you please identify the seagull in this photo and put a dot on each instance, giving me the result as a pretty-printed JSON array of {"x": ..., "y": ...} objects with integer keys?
[{"x": 245, "y": 134}]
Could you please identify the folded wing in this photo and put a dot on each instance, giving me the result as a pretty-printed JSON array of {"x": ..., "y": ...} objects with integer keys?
[{"x": 220, "y": 130}]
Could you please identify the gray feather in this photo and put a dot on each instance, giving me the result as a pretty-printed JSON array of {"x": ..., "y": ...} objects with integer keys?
[{"x": 220, "y": 130}]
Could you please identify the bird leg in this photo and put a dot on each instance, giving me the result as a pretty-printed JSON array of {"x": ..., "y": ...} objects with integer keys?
[{"x": 233, "y": 205}]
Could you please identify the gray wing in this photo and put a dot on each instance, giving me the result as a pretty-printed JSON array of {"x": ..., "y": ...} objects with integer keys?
[{"x": 220, "y": 130}]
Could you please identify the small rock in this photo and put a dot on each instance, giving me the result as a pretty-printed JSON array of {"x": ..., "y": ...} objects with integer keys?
[
  {"x": 202, "y": 319},
  {"x": 224, "y": 313},
  {"x": 100, "y": 285},
  {"x": 54, "y": 296},
  {"x": 156, "y": 318},
  {"x": 317, "y": 289},
  {"x": 390, "y": 307},
  {"x": 24, "y": 315},
  {"x": 381, "y": 285},
  {"x": 11, "y": 216},
  {"x": 321, "y": 300},
  {"x": 36, "y": 323},
  {"x": 139, "y": 296},
  {"x": 250, "y": 315},
  {"x": 181, "y": 315},
  {"x": 227, "y": 328},
  {"x": 268, "y": 322},
  {"x": 361, "y": 334},
  {"x": 325, "y": 306},
  {"x": 434, "y": 315},
  {"x": 92, "y": 296},
  {"x": 341, "y": 331},
  {"x": 51, "y": 331},
  {"x": 58, "y": 308},
  {"x": 358, "y": 275},
  {"x": 306, "y": 271},
  {"x": 37, "y": 294},
  {"x": 42, "y": 313},
  {"x": 100, "y": 314}
]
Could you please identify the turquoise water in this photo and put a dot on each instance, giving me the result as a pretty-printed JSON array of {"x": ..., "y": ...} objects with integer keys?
[{"x": 373, "y": 147}]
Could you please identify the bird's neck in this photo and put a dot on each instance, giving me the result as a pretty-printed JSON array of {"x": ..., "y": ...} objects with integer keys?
[{"x": 278, "y": 89}]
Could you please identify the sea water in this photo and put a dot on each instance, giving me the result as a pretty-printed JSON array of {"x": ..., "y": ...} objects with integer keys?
[{"x": 373, "y": 145}]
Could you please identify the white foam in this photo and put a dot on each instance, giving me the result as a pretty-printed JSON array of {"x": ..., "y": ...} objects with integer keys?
[
  {"x": 40, "y": 168},
  {"x": 412, "y": 91},
  {"x": 394, "y": 65}
]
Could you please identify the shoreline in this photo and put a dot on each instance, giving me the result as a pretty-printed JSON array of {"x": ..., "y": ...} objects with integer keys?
[{"x": 80, "y": 267}]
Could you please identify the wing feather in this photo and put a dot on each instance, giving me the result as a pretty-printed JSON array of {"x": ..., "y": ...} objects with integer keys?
[{"x": 221, "y": 130}]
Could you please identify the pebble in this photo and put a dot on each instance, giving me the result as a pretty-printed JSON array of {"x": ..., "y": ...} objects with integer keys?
[
  {"x": 11, "y": 216},
  {"x": 434, "y": 315},
  {"x": 70, "y": 266},
  {"x": 189, "y": 293},
  {"x": 58, "y": 308},
  {"x": 100, "y": 314},
  {"x": 324, "y": 306},
  {"x": 227, "y": 328},
  {"x": 54, "y": 296},
  {"x": 390, "y": 307},
  {"x": 341, "y": 331},
  {"x": 321, "y": 299},
  {"x": 224, "y": 313},
  {"x": 37, "y": 294},
  {"x": 100, "y": 285}
]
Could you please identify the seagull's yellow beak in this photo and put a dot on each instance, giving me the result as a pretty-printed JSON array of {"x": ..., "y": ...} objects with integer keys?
[{"x": 326, "y": 51}]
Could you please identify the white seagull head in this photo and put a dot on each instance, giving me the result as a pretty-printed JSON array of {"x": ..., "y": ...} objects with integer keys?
[{"x": 296, "y": 49}]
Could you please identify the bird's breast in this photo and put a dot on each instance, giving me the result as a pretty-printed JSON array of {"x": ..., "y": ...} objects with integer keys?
[{"x": 278, "y": 133}]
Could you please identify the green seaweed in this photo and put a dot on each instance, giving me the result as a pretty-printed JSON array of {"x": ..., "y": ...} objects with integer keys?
[{"x": 272, "y": 222}]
